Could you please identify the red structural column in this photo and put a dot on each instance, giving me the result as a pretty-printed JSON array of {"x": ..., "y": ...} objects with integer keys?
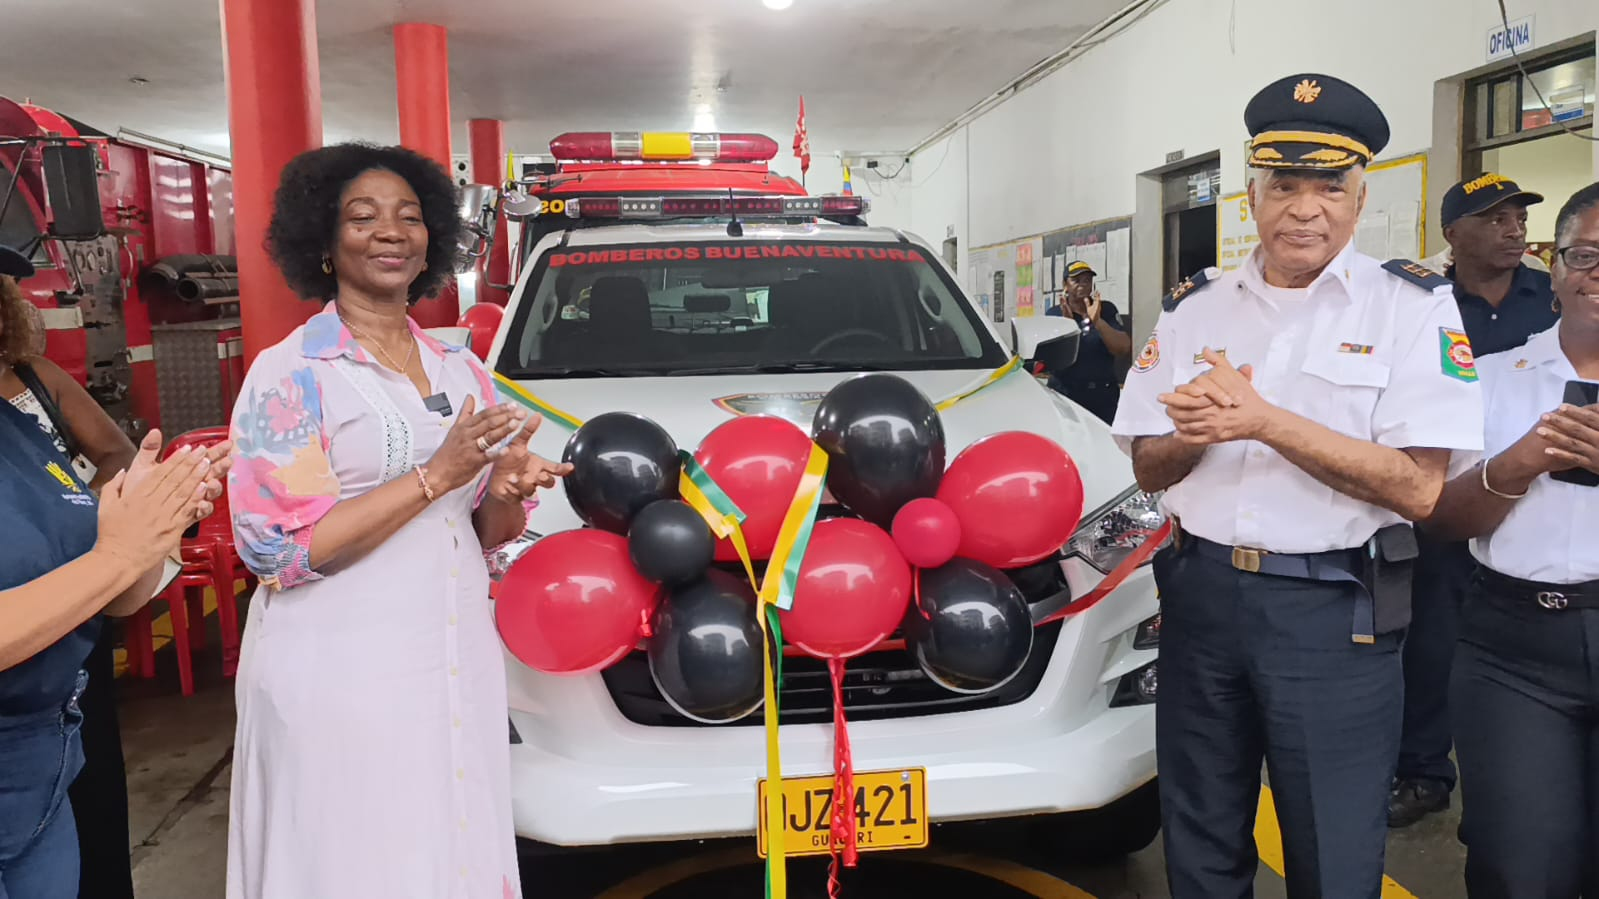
[
  {"x": 488, "y": 167},
  {"x": 274, "y": 113},
  {"x": 422, "y": 75}
]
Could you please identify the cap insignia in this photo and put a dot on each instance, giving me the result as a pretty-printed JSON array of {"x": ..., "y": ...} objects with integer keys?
[{"x": 1307, "y": 91}]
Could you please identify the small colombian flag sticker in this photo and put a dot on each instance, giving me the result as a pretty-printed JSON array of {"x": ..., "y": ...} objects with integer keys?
[{"x": 1455, "y": 354}]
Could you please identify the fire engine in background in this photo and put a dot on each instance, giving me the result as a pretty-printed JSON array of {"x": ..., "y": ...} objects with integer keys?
[{"x": 136, "y": 283}]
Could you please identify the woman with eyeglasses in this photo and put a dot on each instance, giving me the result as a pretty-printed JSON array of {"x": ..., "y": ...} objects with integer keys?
[{"x": 1525, "y": 685}]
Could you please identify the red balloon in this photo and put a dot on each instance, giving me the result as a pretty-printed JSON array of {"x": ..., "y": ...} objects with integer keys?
[
  {"x": 758, "y": 461},
  {"x": 1018, "y": 496},
  {"x": 484, "y": 321},
  {"x": 853, "y": 590},
  {"x": 927, "y": 532},
  {"x": 574, "y": 603}
]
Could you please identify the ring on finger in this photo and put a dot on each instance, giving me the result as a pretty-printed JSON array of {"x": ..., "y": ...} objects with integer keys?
[{"x": 482, "y": 444}]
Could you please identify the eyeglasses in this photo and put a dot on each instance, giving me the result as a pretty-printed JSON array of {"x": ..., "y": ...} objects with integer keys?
[{"x": 1579, "y": 259}]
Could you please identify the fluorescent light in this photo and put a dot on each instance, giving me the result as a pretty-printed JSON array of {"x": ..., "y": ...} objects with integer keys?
[
  {"x": 778, "y": 4},
  {"x": 704, "y": 123}
]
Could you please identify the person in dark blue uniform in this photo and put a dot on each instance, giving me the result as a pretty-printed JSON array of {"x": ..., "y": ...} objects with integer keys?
[
  {"x": 1503, "y": 302},
  {"x": 65, "y": 560},
  {"x": 1299, "y": 412},
  {"x": 1094, "y": 380},
  {"x": 1524, "y": 697}
]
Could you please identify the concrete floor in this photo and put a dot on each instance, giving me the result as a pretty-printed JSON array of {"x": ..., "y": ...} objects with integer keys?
[{"x": 178, "y": 752}]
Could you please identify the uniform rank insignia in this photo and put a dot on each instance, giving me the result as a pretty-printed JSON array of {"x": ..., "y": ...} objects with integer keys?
[
  {"x": 1358, "y": 349},
  {"x": 1416, "y": 273},
  {"x": 1454, "y": 350},
  {"x": 1188, "y": 286},
  {"x": 1149, "y": 356}
]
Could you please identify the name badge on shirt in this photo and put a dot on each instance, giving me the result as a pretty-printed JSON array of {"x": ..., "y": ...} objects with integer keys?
[{"x": 439, "y": 403}]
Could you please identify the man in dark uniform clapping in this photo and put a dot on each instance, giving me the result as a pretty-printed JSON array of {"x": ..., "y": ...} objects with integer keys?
[{"x": 1094, "y": 380}]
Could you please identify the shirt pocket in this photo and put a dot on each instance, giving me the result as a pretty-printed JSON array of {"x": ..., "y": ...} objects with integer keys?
[{"x": 1344, "y": 391}]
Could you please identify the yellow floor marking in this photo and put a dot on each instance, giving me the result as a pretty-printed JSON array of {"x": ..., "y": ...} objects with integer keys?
[
  {"x": 1269, "y": 843},
  {"x": 161, "y": 630},
  {"x": 1029, "y": 880}
]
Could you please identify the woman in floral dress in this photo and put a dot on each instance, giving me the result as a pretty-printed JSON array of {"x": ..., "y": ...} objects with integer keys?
[{"x": 373, "y": 470}]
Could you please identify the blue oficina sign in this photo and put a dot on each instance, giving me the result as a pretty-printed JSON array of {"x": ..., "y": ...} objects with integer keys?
[{"x": 1517, "y": 38}]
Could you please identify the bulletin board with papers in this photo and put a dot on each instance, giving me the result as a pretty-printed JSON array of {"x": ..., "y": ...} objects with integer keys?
[
  {"x": 1022, "y": 278},
  {"x": 1393, "y": 225}
]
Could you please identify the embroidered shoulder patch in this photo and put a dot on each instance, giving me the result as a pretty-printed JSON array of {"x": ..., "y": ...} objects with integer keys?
[
  {"x": 1454, "y": 350},
  {"x": 1188, "y": 286},
  {"x": 1149, "y": 356},
  {"x": 1416, "y": 273}
]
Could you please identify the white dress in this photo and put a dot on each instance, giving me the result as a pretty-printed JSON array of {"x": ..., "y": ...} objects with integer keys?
[{"x": 372, "y": 755}]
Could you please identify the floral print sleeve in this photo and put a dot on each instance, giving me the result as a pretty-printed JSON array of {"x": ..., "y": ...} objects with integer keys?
[{"x": 282, "y": 481}]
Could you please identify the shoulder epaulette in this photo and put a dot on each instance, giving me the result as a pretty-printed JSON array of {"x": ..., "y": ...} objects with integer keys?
[
  {"x": 1416, "y": 273},
  {"x": 1190, "y": 285}
]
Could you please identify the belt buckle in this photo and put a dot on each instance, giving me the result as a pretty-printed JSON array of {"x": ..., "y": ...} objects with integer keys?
[
  {"x": 1552, "y": 600},
  {"x": 1245, "y": 559}
]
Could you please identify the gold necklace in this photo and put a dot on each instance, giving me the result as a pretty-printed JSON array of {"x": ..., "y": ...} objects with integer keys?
[{"x": 410, "y": 347}]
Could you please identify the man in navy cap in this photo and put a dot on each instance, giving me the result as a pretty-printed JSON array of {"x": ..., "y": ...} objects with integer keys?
[
  {"x": 1503, "y": 301},
  {"x": 1093, "y": 381},
  {"x": 1299, "y": 413}
]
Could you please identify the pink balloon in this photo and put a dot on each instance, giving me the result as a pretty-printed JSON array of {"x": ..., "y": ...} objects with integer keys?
[{"x": 927, "y": 532}]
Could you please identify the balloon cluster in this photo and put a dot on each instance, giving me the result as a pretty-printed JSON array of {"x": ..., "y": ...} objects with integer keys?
[{"x": 919, "y": 549}]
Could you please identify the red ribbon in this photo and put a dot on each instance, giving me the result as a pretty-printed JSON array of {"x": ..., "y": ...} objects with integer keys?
[
  {"x": 1117, "y": 576},
  {"x": 843, "y": 829}
]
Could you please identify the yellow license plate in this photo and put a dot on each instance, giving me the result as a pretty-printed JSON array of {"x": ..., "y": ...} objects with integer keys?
[{"x": 890, "y": 812}]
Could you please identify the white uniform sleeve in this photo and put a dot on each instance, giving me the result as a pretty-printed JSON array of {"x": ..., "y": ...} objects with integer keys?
[
  {"x": 1140, "y": 413},
  {"x": 1433, "y": 398}
]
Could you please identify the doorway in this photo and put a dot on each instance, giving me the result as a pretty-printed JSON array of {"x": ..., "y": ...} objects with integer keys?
[{"x": 1188, "y": 208}]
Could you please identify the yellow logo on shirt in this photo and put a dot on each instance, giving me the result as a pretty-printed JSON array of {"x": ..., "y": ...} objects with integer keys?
[{"x": 60, "y": 474}]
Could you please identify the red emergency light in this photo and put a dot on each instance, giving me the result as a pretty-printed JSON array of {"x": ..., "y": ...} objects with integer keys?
[
  {"x": 715, "y": 207},
  {"x": 607, "y": 146}
]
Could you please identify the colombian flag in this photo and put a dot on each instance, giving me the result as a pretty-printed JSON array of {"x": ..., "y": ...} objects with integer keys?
[{"x": 849, "y": 186}]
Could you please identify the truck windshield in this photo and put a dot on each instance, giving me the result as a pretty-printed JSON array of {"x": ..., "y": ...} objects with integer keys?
[{"x": 699, "y": 308}]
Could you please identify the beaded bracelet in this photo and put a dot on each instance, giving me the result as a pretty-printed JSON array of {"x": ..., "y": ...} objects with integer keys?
[{"x": 422, "y": 478}]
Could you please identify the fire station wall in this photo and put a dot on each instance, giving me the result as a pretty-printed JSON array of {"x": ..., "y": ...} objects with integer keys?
[{"x": 1070, "y": 149}]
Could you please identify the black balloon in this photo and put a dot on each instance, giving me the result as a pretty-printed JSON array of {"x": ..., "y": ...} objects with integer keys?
[
  {"x": 670, "y": 543},
  {"x": 974, "y": 631},
  {"x": 705, "y": 649},
  {"x": 884, "y": 442},
  {"x": 621, "y": 463}
]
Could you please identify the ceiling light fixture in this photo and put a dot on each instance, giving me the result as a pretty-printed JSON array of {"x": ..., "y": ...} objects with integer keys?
[{"x": 778, "y": 4}]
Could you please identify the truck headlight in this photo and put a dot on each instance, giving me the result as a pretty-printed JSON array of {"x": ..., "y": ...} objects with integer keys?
[
  {"x": 1113, "y": 532},
  {"x": 501, "y": 560}
]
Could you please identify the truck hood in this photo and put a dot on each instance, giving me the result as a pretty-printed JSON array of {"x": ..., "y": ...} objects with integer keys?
[{"x": 690, "y": 407}]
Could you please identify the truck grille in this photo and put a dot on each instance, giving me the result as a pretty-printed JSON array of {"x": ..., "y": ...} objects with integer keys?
[{"x": 877, "y": 685}]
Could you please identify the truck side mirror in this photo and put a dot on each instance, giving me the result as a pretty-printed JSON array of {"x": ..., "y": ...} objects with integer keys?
[
  {"x": 72, "y": 180},
  {"x": 1052, "y": 340},
  {"x": 477, "y": 207}
]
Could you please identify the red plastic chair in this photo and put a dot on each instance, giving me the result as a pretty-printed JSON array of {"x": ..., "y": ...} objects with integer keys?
[{"x": 209, "y": 560}]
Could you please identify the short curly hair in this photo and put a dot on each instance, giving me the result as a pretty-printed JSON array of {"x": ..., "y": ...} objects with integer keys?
[
  {"x": 20, "y": 335},
  {"x": 305, "y": 214}
]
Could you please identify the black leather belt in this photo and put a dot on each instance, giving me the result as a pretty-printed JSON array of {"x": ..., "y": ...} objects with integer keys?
[
  {"x": 1554, "y": 597},
  {"x": 1333, "y": 566}
]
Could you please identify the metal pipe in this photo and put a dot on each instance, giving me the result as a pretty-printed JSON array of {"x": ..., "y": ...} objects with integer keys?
[
  {"x": 194, "y": 288},
  {"x": 166, "y": 272},
  {"x": 172, "y": 148}
]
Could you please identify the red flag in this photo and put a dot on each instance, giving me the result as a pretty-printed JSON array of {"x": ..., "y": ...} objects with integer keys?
[{"x": 802, "y": 140}]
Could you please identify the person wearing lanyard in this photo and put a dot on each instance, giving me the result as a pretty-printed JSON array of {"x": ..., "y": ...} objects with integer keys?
[
  {"x": 1092, "y": 381},
  {"x": 1525, "y": 686},
  {"x": 67, "y": 558},
  {"x": 1298, "y": 412},
  {"x": 1503, "y": 302}
]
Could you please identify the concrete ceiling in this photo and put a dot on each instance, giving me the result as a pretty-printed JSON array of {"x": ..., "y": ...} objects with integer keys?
[{"x": 877, "y": 75}]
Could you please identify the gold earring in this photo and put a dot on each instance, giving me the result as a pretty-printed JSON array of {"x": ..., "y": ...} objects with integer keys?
[{"x": 327, "y": 266}]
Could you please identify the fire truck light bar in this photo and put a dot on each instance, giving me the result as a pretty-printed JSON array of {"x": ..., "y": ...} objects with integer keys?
[
  {"x": 603, "y": 146},
  {"x": 714, "y": 207}
]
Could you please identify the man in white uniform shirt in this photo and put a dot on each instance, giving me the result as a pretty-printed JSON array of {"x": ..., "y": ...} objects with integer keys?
[{"x": 1299, "y": 412}]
